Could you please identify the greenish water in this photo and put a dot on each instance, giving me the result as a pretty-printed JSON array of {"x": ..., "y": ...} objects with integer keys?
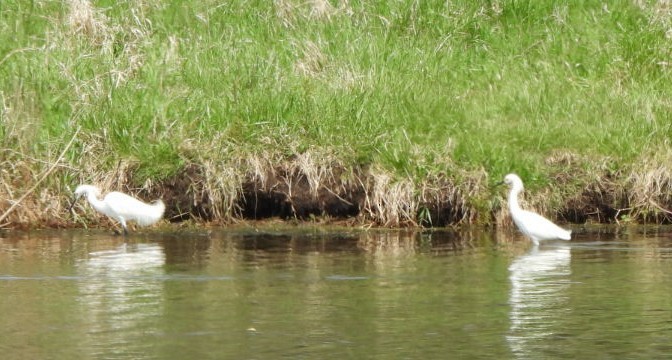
[{"x": 245, "y": 294}]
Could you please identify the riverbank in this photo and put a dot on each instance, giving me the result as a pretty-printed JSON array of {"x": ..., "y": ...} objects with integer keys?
[
  {"x": 402, "y": 114},
  {"x": 299, "y": 191}
]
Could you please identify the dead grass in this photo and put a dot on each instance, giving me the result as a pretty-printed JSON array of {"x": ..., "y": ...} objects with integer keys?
[
  {"x": 290, "y": 12},
  {"x": 219, "y": 178},
  {"x": 390, "y": 201},
  {"x": 659, "y": 10},
  {"x": 308, "y": 178},
  {"x": 27, "y": 196},
  {"x": 13, "y": 174},
  {"x": 452, "y": 201},
  {"x": 649, "y": 188},
  {"x": 312, "y": 61},
  {"x": 305, "y": 182},
  {"x": 83, "y": 19},
  {"x": 89, "y": 33},
  {"x": 223, "y": 185}
]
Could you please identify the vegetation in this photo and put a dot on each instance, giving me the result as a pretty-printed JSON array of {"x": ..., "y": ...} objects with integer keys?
[{"x": 393, "y": 113}]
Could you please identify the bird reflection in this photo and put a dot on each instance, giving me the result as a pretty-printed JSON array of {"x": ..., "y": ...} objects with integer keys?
[
  {"x": 121, "y": 292},
  {"x": 538, "y": 299}
]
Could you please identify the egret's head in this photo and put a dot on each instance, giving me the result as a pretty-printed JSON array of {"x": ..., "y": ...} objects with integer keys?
[
  {"x": 85, "y": 190},
  {"x": 513, "y": 181}
]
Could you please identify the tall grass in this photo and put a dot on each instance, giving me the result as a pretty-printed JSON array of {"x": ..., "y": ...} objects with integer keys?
[{"x": 414, "y": 89}]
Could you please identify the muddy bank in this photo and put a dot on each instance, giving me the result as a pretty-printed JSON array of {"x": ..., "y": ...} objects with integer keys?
[
  {"x": 364, "y": 196},
  {"x": 355, "y": 196},
  {"x": 335, "y": 193}
]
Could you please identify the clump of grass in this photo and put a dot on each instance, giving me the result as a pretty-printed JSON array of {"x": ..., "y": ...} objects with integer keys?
[
  {"x": 390, "y": 201},
  {"x": 220, "y": 176},
  {"x": 648, "y": 188},
  {"x": 456, "y": 200},
  {"x": 85, "y": 20}
]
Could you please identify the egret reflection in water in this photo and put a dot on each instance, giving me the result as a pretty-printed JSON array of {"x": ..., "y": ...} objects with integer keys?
[
  {"x": 538, "y": 299},
  {"x": 121, "y": 292}
]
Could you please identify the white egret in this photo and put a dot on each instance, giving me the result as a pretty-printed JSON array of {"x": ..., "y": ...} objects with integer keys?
[
  {"x": 533, "y": 225},
  {"x": 121, "y": 207}
]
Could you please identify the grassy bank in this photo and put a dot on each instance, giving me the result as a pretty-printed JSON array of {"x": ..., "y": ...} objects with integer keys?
[{"x": 393, "y": 113}]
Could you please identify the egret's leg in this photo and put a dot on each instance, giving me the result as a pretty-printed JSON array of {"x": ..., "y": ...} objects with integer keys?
[{"x": 123, "y": 225}]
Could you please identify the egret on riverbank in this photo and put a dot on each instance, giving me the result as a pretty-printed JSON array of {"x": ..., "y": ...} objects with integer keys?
[
  {"x": 533, "y": 225},
  {"x": 121, "y": 207}
]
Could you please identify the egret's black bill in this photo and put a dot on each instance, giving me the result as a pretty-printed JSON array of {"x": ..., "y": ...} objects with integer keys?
[{"x": 72, "y": 203}]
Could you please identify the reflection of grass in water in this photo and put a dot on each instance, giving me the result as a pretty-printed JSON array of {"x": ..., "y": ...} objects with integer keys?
[{"x": 435, "y": 101}]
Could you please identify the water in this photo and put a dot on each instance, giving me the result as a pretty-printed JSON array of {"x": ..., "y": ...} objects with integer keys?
[{"x": 311, "y": 293}]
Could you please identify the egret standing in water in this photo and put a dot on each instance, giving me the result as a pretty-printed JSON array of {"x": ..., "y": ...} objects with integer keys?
[
  {"x": 533, "y": 225},
  {"x": 121, "y": 207}
]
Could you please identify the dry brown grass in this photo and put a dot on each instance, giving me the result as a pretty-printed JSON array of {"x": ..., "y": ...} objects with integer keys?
[
  {"x": 83, "y": 19},
  {"x": 90, "y": 33},
  {"x": 390, "y": 201},
  {"x": 290, "y": 12},
  {"x": 314, "y": 64},
  {"x": 387, "y": 200},
  {"x": 312, "y": 61},
  {"x": 221, "y": 176},
  {"x": 305, "y": 179},
  {"x": 28, "y": 197},
  {"x": 14, "y": 173},
  {"x": 317, "y": 169},
  {"x": 659, "y": 10},
  {"x": 223, "y": 184},
  {"x": 452, "y": 201},
  {"x": 648, "y": 187}
]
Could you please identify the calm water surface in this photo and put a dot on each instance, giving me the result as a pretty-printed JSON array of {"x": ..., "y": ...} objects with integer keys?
[{"x": 330, "y": 294}]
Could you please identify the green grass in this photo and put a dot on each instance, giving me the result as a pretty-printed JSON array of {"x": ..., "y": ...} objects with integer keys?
[{"x": 418, "y": 88}]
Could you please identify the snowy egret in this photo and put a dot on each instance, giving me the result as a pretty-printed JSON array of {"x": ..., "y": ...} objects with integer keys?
[
  {"x": 535, "y": 226},
  {"x": 121, "y": 207}
]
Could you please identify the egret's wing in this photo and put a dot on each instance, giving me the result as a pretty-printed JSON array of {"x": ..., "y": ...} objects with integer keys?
[
  {"x": 131, "y": 208},
  {"x": 542, "y": 228}
]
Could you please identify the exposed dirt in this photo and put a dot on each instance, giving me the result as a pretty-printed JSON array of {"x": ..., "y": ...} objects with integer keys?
[
  {"x": 288, "y": 194},
  {"x": 595, "y": 204},
  {"x": 185, "y": 195}
]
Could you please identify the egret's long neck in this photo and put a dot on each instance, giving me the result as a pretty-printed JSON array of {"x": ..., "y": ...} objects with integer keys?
[
  {"x": 95, "y": 202},
  {"x": 513, "y": 198}
]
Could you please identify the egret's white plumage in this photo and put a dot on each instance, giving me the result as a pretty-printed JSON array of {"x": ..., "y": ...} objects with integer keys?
[
  {"x": 121, "y": 207},
  {"x": 535, "y": 226}
]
